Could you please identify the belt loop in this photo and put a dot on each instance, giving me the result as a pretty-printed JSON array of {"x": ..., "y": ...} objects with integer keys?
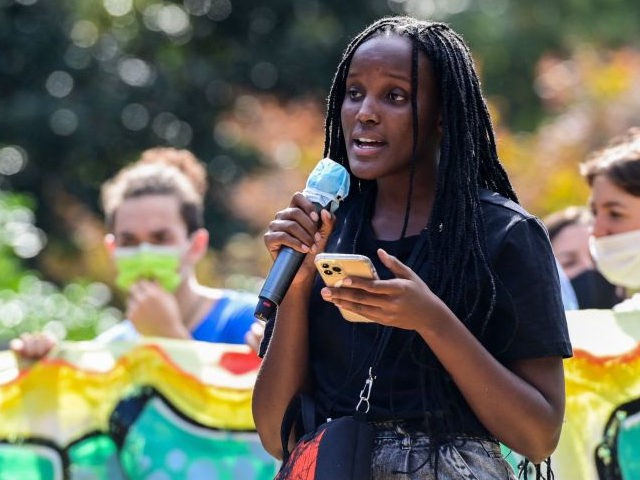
[{"x": 405, "y": 439}]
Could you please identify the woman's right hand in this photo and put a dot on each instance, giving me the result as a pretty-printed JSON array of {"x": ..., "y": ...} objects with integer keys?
[{"x": 297, "y": 227}]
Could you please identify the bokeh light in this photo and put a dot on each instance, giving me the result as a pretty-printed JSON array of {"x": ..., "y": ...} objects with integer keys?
[
  {"x": 436, "y": 9},
  {"x": 59, "y": 84},
  {"x": 12, "y": 159},
  {"x": 106, "y": 48},
  {"x": 197, "y": 7},
  {"x": 226, "y": 134},
  {"x": 28, "y": 243},
  {"x": 220, "y": 10},
  {"x": 84, "y": 33},
  {"x": 169, "y": 127},
  {"x": 77, "y": 58},
  {"x": 287, "y": 154},
  {"x": 135, "y": 72},
  {"x": 173, "y": 20},
  {"x": 135, "y": 117},
  {"x": 118, "y": 8},
  {"x": 169, "y": 19},
  {"x": 264, "y": 75},
  {"x": 18, "y": 230},
  {"x": 63, "y": 122}
]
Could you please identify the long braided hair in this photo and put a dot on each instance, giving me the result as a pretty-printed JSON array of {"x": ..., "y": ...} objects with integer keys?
[
  {"x": 468, "y": 162},
  {"x": 468, "y": 158}
]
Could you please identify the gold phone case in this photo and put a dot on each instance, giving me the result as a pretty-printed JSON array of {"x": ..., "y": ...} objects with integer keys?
[{"x": 334, "y": 267}]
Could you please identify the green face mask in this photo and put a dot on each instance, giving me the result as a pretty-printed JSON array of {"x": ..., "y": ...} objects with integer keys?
[{"x": 153, "y": 262}]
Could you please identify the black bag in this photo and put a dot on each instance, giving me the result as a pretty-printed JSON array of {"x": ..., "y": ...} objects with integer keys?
[{"x": 339, "y": 449}]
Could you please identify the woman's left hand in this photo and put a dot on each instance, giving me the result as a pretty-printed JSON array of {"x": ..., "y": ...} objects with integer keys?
[{"x": 404, "y": 302}]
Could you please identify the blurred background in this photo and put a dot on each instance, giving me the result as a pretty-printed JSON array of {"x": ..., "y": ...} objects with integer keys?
[{"x": 86, "y": 85}]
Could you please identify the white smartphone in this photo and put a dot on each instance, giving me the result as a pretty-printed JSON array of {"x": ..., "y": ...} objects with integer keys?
[{"x": 334, "y": 267}]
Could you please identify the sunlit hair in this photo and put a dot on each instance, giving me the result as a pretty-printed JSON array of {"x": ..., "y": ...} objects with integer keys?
[
  {"x": 619, "y": 161},
  {"x": 468, "y": 158},
  {"x": 182, "y": 159},
  {"x": 159, "y": 171},
  {"x": 567, "y": 217}
]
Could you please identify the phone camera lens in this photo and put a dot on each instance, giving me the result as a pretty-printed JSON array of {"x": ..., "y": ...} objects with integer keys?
[
  {"x": 336, "y": 269},
  {"x": 325, "y": 265},
  {"x": 328, "y": 272}
]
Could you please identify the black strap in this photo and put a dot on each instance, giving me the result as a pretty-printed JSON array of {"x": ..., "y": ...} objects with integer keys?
[{"x": 417, "y": 255}]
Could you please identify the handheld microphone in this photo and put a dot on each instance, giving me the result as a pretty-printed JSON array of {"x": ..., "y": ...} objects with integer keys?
[{"x": 327, "y": 186}]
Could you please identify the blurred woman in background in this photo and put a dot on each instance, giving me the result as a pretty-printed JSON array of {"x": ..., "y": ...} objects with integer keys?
[
  {"x": 569, "y": 230},
  {"x": 613, "y": 173}
]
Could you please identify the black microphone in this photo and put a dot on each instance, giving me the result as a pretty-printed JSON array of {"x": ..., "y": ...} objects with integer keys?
[{"x": 327, "y": 186}]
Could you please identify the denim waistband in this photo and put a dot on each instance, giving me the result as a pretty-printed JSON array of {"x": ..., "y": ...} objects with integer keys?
[{"x": 416, "y": 427}]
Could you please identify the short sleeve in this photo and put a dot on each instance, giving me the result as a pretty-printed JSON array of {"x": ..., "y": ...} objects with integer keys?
[
  {"x": 528, "y": 319},
  {"x": 239, "y": 316},
  {"x": 229, "y": 320}
]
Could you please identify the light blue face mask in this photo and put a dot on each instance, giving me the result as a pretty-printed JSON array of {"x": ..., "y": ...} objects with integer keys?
[
  {"x": 153, "y": 262},
  {"x": 327, "y": 184}
]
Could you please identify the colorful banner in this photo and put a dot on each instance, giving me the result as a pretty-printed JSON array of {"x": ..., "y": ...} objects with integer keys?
[
  {"x": 154, "y": 409},
  {"x": 169, "y": 409},
  {"x": 601, "y": 435}
]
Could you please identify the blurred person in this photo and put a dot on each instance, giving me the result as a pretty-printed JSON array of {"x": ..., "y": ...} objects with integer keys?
[
  {"x": 569, "y": 230},
  {"x": 154, "y": 215},
  {"x": 569, "y": 298},
  {"x": 613, "y": 174}
]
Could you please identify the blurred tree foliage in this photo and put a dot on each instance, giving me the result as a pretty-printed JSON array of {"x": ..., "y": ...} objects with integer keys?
[
  {"x": 86, "y": 85},
  {"x": 29, "y": 303},
  {"x": 509, "y": 37}
]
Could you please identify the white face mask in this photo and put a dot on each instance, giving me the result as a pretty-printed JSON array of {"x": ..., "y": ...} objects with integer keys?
[{"x": 618, "y": 257}]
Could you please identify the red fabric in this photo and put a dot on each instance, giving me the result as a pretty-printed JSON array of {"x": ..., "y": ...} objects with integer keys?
[
  {"x": 302, "y": 463},
  {"x": 240, "y": 363}
]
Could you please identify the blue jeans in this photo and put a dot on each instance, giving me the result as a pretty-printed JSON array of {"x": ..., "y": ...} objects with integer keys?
[{"x": 404, "y": 454}]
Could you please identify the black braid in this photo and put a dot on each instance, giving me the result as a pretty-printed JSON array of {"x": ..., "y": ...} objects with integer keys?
[{"x": 414, "y": 126}]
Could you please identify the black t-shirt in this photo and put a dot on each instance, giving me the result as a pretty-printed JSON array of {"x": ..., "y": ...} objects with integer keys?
[{"x": 527, "y": 321}]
